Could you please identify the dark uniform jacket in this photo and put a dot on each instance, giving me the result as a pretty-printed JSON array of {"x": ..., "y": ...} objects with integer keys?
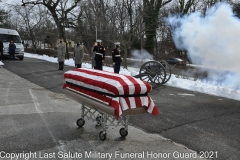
[
  {"x": 1, "y": 46},
  {"x": 12, "y": 48},
  {"x": 100, "y": 53},
  {"x": 116, "y": 55}
]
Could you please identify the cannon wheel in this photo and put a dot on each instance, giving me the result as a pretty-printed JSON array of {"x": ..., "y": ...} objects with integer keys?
[
  {"x": 153, "y": 72},
  {"x": 167, "y": 69}
]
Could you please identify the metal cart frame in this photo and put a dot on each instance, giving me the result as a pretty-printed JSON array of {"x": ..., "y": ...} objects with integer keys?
[{"x": 102, "y": 113}]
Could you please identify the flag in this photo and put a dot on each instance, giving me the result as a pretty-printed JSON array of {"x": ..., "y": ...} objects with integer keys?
[{"x": 121, "y": 92}]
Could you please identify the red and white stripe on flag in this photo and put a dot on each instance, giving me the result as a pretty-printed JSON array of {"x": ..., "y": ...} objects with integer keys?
[{"x": 111, "y": 84}]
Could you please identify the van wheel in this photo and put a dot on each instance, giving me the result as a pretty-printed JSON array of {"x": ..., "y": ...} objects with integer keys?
[{"x": 20, "y": 58}]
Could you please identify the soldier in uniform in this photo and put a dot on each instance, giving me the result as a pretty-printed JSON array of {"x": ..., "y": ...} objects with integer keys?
[
  {"x": 116, "y": 57},
  {"x": 78, "y": 54},
  {"x": 61, "y": 49},
  {"x": 12, "y": 48},
  {"x": 99, "y": 55}
]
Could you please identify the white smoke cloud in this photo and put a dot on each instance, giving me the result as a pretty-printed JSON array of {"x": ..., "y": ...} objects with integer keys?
[
  {"x": 141, "y": 54},
  {"x": 140, "y": 57},
  {"x": 213, "y": 41}
]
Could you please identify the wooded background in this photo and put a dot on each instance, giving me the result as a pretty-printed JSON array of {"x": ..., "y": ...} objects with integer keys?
[{"x": 137, "y": 24}]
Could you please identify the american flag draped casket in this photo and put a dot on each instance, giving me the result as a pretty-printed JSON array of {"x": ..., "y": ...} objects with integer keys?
[{"x": 121, "y": 92}]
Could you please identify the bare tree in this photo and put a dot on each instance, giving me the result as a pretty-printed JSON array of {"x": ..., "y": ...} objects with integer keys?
[
  {"x": 185, "y": 6},
  {"x": 236, "y": 8},
  {"x": 32, "y": 18},
  {"x": 151, "y": 10},
  {"x": 5, "y": 19},
  {"x": 62, "y": 12},
  {"x": 209, "y": 3},
  {"x": 124, "y": 24}
]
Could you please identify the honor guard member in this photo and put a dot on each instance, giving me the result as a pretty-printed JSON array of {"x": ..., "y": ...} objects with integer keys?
[
  {"x": 78, "y": 54},
  {"x": 99, "y": 55},
  {"x": 116, "y": 57},
  {"x": 61, "y": 49}
]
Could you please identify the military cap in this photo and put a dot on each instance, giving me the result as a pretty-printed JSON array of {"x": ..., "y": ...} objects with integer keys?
[{"x": 117, "y": 43}]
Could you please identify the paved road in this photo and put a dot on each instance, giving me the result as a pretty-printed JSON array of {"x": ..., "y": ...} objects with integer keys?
[
  {"x": 37, "y": 124},
  {"x": 199, "y": 121}
]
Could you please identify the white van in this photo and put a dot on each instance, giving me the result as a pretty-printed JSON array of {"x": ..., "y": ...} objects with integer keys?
[{"x": 6, "y": 35}]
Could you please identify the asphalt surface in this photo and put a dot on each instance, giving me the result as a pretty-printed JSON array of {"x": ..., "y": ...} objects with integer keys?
[
  {"x": 38, "y": 124},
  {"x": 204, "y": 123}
]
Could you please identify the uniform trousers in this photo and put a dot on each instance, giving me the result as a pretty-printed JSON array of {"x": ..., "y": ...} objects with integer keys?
[
  {"x": 117, "y": 67},
  {"x": 60, "y": 65},
  {"x": 78, "y": 65},
  {"x": 12, "y": 56},
  {"x": 99, "y": 65},
  {"x": 2, "y": 58}
]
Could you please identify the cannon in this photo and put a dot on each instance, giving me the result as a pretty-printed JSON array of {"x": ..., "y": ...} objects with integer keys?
[{"x": 154, "y": 72}]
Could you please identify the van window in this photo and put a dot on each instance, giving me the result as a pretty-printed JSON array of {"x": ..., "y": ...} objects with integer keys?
[{"x": 8, "y": 38}]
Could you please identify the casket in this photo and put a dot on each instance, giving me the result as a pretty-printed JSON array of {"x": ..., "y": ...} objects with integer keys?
[{"x": 122, "y": 92}]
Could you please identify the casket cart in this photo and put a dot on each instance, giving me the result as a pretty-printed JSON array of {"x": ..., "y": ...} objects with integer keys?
[
  {"x": 102, "y": 113},
  {"x": 108, "y": 98}
]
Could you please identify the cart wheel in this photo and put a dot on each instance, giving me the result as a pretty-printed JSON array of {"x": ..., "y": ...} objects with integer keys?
[
  {"x": 123, "y": 132},
  {"x": 102, "y": 136},
  {"x": 80, "y": 122}
]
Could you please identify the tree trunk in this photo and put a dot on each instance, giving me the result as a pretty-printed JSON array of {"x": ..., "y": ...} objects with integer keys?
[
  {"x": 150, "y": 19},
  {"x": 125, "y": 56},
  {"x": 61, "y": 30}
]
